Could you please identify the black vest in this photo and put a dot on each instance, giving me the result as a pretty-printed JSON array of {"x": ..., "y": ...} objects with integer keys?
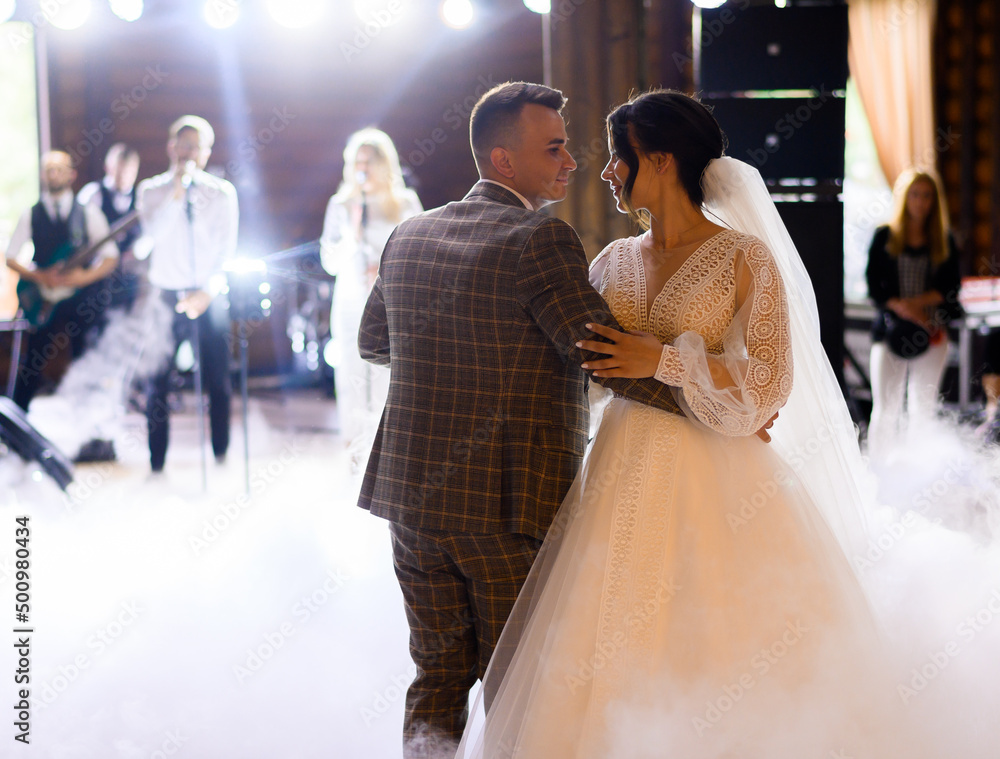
[
  {"x": 49, "y": 235},
  {"x": 112, "y": 214}
]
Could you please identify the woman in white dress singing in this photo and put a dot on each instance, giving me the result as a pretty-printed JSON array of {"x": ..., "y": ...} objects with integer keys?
[
  {"x": 369, "y": 204},
  {"x": 694, "y": 598}
]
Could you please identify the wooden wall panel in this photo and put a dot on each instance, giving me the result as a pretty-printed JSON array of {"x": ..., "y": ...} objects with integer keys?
[
  {"x": 603, "y": 52},
  {"x": 968, "y": 123}
]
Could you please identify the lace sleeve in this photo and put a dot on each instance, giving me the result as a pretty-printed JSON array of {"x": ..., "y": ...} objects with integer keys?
[{"x": 737, "y": 391}]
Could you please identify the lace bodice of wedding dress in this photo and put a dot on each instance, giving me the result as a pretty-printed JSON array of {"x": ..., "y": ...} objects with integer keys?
[{"x": 723, "y": 319}]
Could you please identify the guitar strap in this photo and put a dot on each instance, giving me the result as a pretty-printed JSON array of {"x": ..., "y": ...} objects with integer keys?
[{"x": 78, "y": 237}]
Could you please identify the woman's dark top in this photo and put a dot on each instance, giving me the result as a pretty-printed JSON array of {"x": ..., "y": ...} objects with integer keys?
[{"x": 911, "y": 274}]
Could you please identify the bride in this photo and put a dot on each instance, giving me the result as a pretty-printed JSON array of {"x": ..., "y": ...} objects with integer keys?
[{"x": 694, "y": 598}]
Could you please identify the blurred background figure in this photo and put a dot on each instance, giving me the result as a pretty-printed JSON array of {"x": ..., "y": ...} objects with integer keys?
[
  {"x": 55, "y": 297},
  {"x": 114, "y": 196},
  {"x": 193, "y": 219},
  {"x": 913, "y": 278},
  {"x": 371, "y": 201}
]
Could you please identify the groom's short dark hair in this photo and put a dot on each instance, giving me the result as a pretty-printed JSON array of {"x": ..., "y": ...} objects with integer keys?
[{"x": 495, "y": 116}]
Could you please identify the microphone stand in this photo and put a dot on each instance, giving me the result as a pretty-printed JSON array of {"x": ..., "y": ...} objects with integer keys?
[
  {"x": 244, "y": 390},
  {"x": 189, "y": 212}
]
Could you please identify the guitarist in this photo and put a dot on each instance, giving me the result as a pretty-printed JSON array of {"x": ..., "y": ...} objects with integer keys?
[{"x": 57, "y": 224}]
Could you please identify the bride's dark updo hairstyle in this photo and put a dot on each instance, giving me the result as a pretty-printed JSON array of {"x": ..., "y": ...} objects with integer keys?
[{"x": 665, "y": 121}]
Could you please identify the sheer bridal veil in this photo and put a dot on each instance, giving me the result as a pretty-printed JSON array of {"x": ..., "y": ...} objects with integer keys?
[{"x": 814, "y": 432}]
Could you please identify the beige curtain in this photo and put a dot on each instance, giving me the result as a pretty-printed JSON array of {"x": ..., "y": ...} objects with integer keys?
[{"x": 890, "y": 55}]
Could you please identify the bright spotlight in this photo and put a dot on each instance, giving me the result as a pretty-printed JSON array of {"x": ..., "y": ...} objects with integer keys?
[
  {"x": 295, "y": 14},
  {"x": 127, "y": 10},
  {"x": 709, "y": 3},
  {"x": 221, "y": 14},
  {"x": 7, "y": 8},
  {"x": 457, "y": 13},
  {"x": 67, "y": 15},
  {"x": 245, "y": 265},
  {"x": 538, "y": 6}
]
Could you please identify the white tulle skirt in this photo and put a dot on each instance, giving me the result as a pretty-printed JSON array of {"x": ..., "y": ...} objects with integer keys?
[{"x": 689, "y": 602}]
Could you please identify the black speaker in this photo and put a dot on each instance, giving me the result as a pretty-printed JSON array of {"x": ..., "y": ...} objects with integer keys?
[
  {"x": 785, "y": 137},
  {"x": 762, "y": 47},
  {"x": 817, "y": 229},
  {"x": 19, "y": 436}
]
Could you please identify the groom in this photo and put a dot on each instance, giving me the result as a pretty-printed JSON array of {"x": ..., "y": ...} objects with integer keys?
[{"x": 477, "y": 309}]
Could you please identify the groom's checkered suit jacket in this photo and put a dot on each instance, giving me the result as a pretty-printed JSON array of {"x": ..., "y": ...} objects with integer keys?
[{"x": 478, "y": 306}]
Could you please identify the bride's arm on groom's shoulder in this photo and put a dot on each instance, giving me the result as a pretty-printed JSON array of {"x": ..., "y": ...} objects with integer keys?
[
  {"x": 553, "y": 286},
  {"x": 373, "y": 335}
]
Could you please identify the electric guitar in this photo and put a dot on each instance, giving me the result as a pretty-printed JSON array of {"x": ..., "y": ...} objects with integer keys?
[{"x": 37, "y": 301}]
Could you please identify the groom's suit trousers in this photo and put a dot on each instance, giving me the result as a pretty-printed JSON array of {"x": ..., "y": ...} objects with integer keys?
[{"x": 458, "y": 590}]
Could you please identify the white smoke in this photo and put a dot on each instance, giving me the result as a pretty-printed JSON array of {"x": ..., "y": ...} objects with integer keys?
[
  {"x": 90, "y": 401},
  {"x": 428, "y": 743}
]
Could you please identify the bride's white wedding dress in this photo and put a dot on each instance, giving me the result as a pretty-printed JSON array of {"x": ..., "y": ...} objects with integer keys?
[{"x": 690, "y": 600}]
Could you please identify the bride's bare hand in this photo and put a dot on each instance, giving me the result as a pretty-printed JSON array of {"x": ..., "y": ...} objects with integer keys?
[{"x": 630, "y": 354}]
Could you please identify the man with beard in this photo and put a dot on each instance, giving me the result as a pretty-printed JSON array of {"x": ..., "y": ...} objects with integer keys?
[{"x": 57, "y": 226}]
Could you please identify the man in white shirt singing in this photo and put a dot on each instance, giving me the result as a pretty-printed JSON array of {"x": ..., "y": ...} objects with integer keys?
[
  {"x": 192, "y": 217},
  {"x": 52, "y": 297}
]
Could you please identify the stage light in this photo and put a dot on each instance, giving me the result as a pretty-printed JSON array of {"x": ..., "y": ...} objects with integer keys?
[
  {"x": 708, "y": 4},
  {"x": 295, "y": 14},
  {"x": 457, "y": 13},
  {"x": 331, "y": 353},
  {"x": 68, "y": 15},
  {"x": 7, "y": 8},
  {"x": 221, "y": 14},
  {"x": 127, "y": 10},
  {"x": 538, "y": 6},
  {"x": 245, "y": 265}
]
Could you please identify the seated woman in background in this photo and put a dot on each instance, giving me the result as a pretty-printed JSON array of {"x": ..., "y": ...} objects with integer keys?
[{"x": 913, "y": 278}]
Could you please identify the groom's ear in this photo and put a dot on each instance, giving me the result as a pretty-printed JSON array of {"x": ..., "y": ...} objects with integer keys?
[{"x": 500, "y": 159}]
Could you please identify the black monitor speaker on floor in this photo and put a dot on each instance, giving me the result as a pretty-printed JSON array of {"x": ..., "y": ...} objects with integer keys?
[{"x": 21, "y": 438}]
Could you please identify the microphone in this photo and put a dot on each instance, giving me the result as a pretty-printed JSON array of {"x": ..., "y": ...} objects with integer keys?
[{"x": 187, "y": 176}]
